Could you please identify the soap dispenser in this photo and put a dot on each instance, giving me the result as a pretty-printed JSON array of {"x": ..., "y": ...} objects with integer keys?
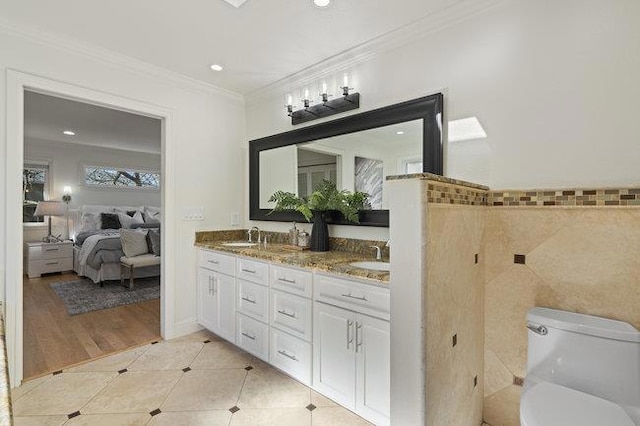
[{"x": 293, "y": 235}]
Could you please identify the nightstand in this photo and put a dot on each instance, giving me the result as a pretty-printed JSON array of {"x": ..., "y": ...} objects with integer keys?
[{"x": 43, "y": 258}]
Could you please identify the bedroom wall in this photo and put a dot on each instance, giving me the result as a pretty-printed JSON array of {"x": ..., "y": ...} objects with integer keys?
[
  {"x": 65, "y": 169},
  {"x": 207, "y": 129},
  {"x": 551, "y": 83}
]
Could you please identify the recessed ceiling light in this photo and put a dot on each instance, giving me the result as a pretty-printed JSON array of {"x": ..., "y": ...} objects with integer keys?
[
  {"x": 466, "y": 129},
  {"x": 69, "y": 133},
  {"x": 399, "y": 132},
  {"x": 322, "y": 3},
  {"x": 216, "y": 67}
]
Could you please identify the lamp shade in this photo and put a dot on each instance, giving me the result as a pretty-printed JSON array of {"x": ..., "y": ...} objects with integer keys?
[{"x": 50, "y": 208}]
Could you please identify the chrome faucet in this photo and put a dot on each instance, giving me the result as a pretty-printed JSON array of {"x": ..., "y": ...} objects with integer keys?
[
  {"x": 250, "y": 231},
  {"x": 378, "y": 252}
]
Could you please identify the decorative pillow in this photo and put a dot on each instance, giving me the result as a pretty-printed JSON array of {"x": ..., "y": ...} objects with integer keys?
[
  {"x": 128, "y": 221},
  {"x": 89, "y": 222},
  {"x": 148, "y": 218},
  {"x": 134, "y": 243},
  {"x": 153, "y": 239},
  {"x": 109, "y": 221},
  {"x": 127, "y": 209}
]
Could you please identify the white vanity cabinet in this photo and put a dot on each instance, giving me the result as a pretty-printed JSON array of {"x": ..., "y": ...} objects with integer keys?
[
  {"x": 327, "y": 332},
  {"x": 252, "y": 307},
  {"x": 216, "y": 294},
  {"x": 351, "y": 351},
  {"x": 291, "y": 317}
]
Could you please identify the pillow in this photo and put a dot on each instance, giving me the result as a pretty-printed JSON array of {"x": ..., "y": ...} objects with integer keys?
[
  {"x": 134, "y": 243},
  {"x": 146, "y": 225},
  {"x": 127, "y": 209},
  {"x": 128, "y": 221},
  {"x": 89, "y": 222},
  {"x": 152, "y": 210},
  {"x": 155, "y": 219},
  {"x": 153, "y": 239},
  {"x": 109, "y": 221}
]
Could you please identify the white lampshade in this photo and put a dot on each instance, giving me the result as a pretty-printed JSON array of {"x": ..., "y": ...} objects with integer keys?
[{"x": 50, "y": 208}]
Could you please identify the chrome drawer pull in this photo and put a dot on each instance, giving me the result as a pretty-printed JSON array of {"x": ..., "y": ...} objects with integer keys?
[
  {"x": 246, "y": 299},
  {"x": 215, "y": 262},
  {"x": 538, "y": 329},
  {"x": 284, "y": 280},
  {"x": 52, "y": 249},
  {"x": 364, "y": 298},
  {"x": 248, "y": 336},
  {"x": 349, "y": 338},
  {"x": 51, "y": 263},
  {"x": 291, "y": 357},
  {"x": 293, "y": 315},
  {"x": 248, "y": 271}
]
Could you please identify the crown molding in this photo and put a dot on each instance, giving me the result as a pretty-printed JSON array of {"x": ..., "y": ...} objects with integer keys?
[
  {"x": 433, "y": 23},
  {"x": 110, "y": 57}
]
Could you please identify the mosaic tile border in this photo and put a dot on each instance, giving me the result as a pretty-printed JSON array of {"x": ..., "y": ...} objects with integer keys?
[
  {"x": 443, "y": 193},
  {"x": 566, "y": 197},
  {"x": 438, "y": 178}
]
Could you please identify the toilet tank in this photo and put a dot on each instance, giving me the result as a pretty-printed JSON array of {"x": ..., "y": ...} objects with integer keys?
[{"x": 591, "y": 354}]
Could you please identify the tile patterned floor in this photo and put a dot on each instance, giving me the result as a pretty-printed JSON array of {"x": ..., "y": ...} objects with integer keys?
[{"x": 195, "y": 380}]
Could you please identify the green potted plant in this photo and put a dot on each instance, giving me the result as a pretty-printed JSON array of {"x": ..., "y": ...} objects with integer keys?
[{"x": 324, "y": 198}]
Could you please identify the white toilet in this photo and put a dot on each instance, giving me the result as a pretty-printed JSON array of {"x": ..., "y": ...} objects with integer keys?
[{"x": 581, "y": 371}]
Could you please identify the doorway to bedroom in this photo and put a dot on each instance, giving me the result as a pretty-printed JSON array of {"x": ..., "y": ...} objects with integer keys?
[{"x": 92, "y": 195}]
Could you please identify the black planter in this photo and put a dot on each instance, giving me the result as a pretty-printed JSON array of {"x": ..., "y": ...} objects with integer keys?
[{"x": 319, "y": 232}]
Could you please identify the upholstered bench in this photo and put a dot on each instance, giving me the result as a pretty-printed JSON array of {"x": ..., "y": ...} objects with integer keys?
[{"x": 134, "y": 262}]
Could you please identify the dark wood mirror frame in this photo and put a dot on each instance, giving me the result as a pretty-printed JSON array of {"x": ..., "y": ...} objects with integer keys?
[{"x": 428, "y": 108}]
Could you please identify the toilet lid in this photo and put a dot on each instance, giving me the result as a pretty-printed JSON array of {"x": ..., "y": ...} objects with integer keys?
[{"x": 548, "y": 404}]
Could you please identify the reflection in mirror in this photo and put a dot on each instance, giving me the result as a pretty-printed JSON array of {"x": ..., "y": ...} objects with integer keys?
[{"x": 358, "y": 161}]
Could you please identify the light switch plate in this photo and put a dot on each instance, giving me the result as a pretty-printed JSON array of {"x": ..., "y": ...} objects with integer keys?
[
  {"x": 193, "y": 213},
  {"x": 235, "y": 219}
]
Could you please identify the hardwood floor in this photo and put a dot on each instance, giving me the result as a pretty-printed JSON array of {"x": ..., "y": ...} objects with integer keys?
[{"x": 54, "y": 340}]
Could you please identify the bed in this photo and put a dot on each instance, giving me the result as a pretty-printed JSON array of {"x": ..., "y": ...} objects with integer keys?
[{"x": 97, "y": 244}]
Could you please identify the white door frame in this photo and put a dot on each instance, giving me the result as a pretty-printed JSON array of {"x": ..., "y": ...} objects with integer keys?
[{"x": 17, "y": 83}]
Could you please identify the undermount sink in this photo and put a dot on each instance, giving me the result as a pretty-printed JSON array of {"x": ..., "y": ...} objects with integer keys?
[
  {"x": 374, "y": 266},
  {"x": 246, "y": 244}
]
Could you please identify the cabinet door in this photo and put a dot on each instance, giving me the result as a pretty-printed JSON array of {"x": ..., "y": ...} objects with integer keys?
[
  {"x": 225, "y": 293},
  {"x": 207, "y": 300},
  {"x": 373, "y": 355},
  {"x": 334, "y": 363}
]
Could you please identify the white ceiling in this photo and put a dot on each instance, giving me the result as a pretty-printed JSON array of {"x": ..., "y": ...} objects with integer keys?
[
  {"x": 46, "y": 117},
  {"x": 258, "y": 43}
]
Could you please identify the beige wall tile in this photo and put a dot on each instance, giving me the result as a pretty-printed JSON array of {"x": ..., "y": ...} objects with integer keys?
[
  {"x": 503, "y": 408},
  {"x": 508, "y": 297},
  {"x": 497, "y": 376}
]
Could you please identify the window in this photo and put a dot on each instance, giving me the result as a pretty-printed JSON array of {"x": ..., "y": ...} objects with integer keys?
[
  {"x": 412, "y": 166},
  {"x": 35, "y": 183},
  {"x": 120, "y": 177}
]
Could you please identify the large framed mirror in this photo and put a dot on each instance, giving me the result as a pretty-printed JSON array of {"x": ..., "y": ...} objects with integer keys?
[{"x": 356, "y": 152}]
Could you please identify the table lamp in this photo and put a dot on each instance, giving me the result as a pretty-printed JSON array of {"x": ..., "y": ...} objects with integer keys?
[{"x": 50, "y": 208}]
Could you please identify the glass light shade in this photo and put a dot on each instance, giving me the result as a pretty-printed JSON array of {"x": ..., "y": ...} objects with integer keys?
[{"x": 66, "y": 190}]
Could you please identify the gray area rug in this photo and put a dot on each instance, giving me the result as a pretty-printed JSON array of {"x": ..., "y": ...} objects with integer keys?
[{"x": 83, "y": 295}]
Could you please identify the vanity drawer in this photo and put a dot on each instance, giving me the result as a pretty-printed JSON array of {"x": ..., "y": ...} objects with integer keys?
[
  {"x": 291, "y": 355},
  {"x": 253, "y": 300},
  {"x": 291, "y": 280},
  {"x": 292, "y": 314},
  {"x": 253, "y": 271},
  {"x": 253, "y": 336},
  {"x": 217, "y": 262},
  {"x": 356, "y": 296}
]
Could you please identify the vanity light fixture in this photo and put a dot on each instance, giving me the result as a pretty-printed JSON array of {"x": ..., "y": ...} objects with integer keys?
[
  {"x": 327, "y": 107},
  {"x": 66, "y": 194},
  {"x": 69, "y": 133}
]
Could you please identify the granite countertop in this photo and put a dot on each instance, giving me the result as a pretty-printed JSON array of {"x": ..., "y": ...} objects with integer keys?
[{"x": 335, "y": 262}]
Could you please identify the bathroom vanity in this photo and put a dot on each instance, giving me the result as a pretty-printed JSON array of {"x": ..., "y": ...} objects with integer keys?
[{"x": 312, "y": 316}]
